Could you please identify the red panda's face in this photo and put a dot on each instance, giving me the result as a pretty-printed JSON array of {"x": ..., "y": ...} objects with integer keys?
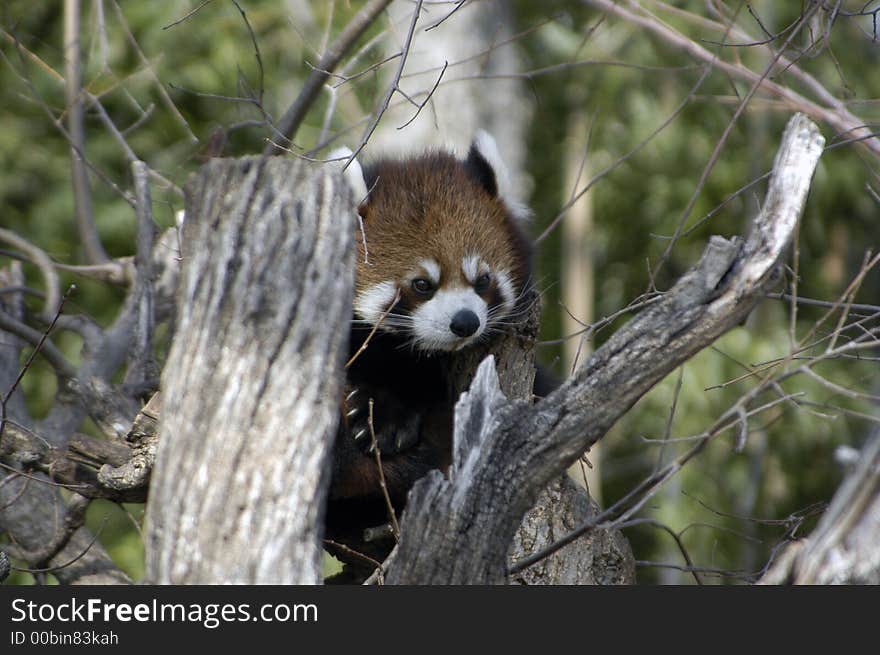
[
  {"x": 441, "y": 259},
  {"x": 440, "y": 306}
]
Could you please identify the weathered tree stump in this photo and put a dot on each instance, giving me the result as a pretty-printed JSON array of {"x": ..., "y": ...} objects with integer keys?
[{"x": 251, "y": 386}]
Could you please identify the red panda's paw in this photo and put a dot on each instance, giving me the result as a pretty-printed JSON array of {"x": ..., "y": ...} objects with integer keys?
[{"x": 395, "y": 426}]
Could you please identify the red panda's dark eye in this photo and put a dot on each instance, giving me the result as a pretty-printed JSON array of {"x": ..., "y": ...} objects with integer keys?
[
  {"x": 481, "y": 284},
  {"x": 422, "y": 286}
]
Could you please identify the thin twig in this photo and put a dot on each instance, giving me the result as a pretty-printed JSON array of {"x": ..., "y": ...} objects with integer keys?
[
  {"x": 394, "y": 86},
  {"x": 85, "y": 550},
  {"x": 676, "y": 537},
  {"x": 59, "y": 125},
  {"x": 823, "y": 303},
  {"x": 257, "y": 55},
  {"x": 291, "y": 120},
  {"x": 67, "y": 368},
  {"x": 348, "y": 550},
  {"x": 620, "y": 160},
  {"x": 836, "y": 116},
  {"x": 373, "y": 331},
  {"x": 160, "y": 87},
  {"x": 428, "y": 98},
  {"x": 187, "y": 15},
  {"x": 722, "y": 140},
  {"x": 458, "y": 5},
  {"x": 395, "y": 528}
]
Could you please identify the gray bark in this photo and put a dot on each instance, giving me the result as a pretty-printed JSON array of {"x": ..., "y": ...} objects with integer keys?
[
  {"x": 38, "y": 512},
  {"x": 506, "y": 450},
  {"x": 77, "y": 466},
  {"x": 605, "y": 556},
  {"x": 252, "y": 381},
  {"x": 601, "y": 557}
]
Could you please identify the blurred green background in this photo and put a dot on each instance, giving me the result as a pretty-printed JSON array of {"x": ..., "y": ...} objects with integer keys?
[{"x": 787, "y": 464}]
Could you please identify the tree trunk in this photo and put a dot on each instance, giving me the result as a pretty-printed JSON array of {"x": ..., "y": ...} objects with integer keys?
[{"x": 252, "y": 383}]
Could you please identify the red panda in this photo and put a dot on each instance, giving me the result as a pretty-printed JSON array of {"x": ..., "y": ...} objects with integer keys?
[{"x": 442, "y": 264}]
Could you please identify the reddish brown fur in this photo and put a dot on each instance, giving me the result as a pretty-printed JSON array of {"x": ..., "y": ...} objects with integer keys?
[{"x": 430, "y": 207}]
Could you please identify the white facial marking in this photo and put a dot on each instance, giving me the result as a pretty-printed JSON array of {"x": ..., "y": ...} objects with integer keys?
[
  {"x": 505, "y": 288},
  {"x": 432, "y": 268},
  {"x": 353, "y": 174},
  {"x": 431, "y": 320},
  {"x": 371, "y": 303},
  {"x": 471, "y": 266},
  {"x": 486, "y": 146}
]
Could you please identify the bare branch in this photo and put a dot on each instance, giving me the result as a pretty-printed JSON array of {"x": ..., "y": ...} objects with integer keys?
[
  {"x": 719, "y": 145},
  {"x": 160, "y": 87},
  {"x": 30, "y": 521},
  {"x": 293, "y": 117},
  {"x": 38, "y": 257},
  {"x": 93, "y": 468},
  {"x": 188, "y": 15},
  {"x": 118, "y": 272},
  {"x": 140, "y": 360},
  {"x": 74, "y": 518},
  {"x": 392, "y": 517},
  {"x": 394, "y": 86},
  {"x": 38, "y": 339},
  {"x": 133, "y": 474},
  {"x": 839, "y": 118},
  {"x": 85, "y": 219}
]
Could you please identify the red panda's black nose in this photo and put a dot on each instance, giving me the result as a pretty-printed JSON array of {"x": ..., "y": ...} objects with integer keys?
[{"x": 464, "y": 323}]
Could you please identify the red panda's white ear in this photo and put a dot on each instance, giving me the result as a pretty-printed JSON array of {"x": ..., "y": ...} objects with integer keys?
[
  {"x": 353, "y": 174},
  {"x": 484, "y": 154}
]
